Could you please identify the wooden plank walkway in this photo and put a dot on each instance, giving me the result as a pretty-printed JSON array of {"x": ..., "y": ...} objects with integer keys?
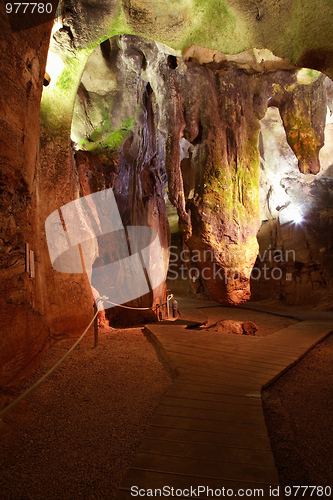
[{"x": 209, "y": 430}]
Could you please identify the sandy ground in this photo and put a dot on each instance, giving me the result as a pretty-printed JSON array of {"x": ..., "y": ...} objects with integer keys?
[{"x": 75, "y": 436}]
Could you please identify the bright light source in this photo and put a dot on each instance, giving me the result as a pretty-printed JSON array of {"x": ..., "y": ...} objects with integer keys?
[
  {"x": 298, "y": 218},
  {"x": 295, "y": 214},
  {"x": 290, "y": 214}
]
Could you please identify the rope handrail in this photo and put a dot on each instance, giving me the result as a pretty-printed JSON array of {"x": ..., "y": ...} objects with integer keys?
[
  {"x": 54, "y": 367},
  {"x": 51, "y": 370},
  {"x": 169, "y": 297}
]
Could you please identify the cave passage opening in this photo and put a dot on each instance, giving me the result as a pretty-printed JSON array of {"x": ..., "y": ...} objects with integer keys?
[{"x": 294, "y": 238}]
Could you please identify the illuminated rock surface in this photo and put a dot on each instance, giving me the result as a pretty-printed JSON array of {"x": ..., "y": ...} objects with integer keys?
[{"x": 37, "y": 182}]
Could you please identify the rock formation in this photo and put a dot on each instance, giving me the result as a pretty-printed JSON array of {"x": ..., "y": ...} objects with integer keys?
[
  {"x": 296, "y": 247},
  {"x": 23, "y": 332},
  {"x": 203, "y": 133},
  {"x": 120, "y": 152},
  {"x": 37, "y": 180},
  {"x": 235, "y": 327}
]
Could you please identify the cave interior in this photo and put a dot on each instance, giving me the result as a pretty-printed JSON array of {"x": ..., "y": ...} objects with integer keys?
[
  {"x": 199, "y": 123},
  {"x": 222, "y": 146}
]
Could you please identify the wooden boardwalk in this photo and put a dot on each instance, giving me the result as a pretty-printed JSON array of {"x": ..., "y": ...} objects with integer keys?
[{"x": 209, "y": 430}]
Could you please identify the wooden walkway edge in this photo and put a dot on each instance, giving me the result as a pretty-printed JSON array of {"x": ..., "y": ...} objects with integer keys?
[{"x": 208, "y": 438}]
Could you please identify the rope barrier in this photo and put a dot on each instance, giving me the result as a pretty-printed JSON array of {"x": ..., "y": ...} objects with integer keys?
[
  {"x": 36, "y": 384},
  {"x": 138, "y": 308},
  {"x": 128, "y": 307}
]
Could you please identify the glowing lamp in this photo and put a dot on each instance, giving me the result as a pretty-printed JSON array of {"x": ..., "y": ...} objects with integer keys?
[{"x": 290, "y": 214}]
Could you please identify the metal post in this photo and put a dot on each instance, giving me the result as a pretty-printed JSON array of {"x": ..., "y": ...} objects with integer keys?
[
  {"x": 95, "y": 326},
  {"x": 175, "y": 308},
  {"x": 168, "y": 307}
]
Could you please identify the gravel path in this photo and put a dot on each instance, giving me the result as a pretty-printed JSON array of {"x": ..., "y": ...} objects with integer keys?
[{"x": 76, "y": 435}]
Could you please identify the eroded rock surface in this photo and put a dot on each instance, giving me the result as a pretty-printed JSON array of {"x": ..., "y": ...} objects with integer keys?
[
  {"x": 204, "y": 113},
  {"x": 24, "y": 330},
  {"x": 117, "y": 148},
  {"x": 296, "y": 247},
  {"x": 212, "y": 158},
  {"x": 202, "y": 132},
  {"x": 235, "y": 327}
]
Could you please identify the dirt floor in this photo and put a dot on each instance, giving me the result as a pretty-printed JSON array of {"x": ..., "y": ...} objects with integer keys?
[
  {"x": 299, "y": 416},
  {"x": 75, "y": 436}
]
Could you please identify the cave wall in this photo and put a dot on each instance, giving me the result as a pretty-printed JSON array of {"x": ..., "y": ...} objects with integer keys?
[{"x": 24, "y": 330}]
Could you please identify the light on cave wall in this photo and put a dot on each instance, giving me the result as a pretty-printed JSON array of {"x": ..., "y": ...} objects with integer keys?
[
  {"x": 54, "y": 67},
  {"x": 291, "y": 213},
  {"x": 54, "y": 64}
]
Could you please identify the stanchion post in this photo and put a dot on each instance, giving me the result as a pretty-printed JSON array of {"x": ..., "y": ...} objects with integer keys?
[
  {"x": 168, "y": 307},
  {"x": 174, "y": 308},
  {"x": 95, "y": 326}
]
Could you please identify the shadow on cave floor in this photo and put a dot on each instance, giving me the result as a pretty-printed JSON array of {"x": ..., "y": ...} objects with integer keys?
[{"x": 298, "y": 412}]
